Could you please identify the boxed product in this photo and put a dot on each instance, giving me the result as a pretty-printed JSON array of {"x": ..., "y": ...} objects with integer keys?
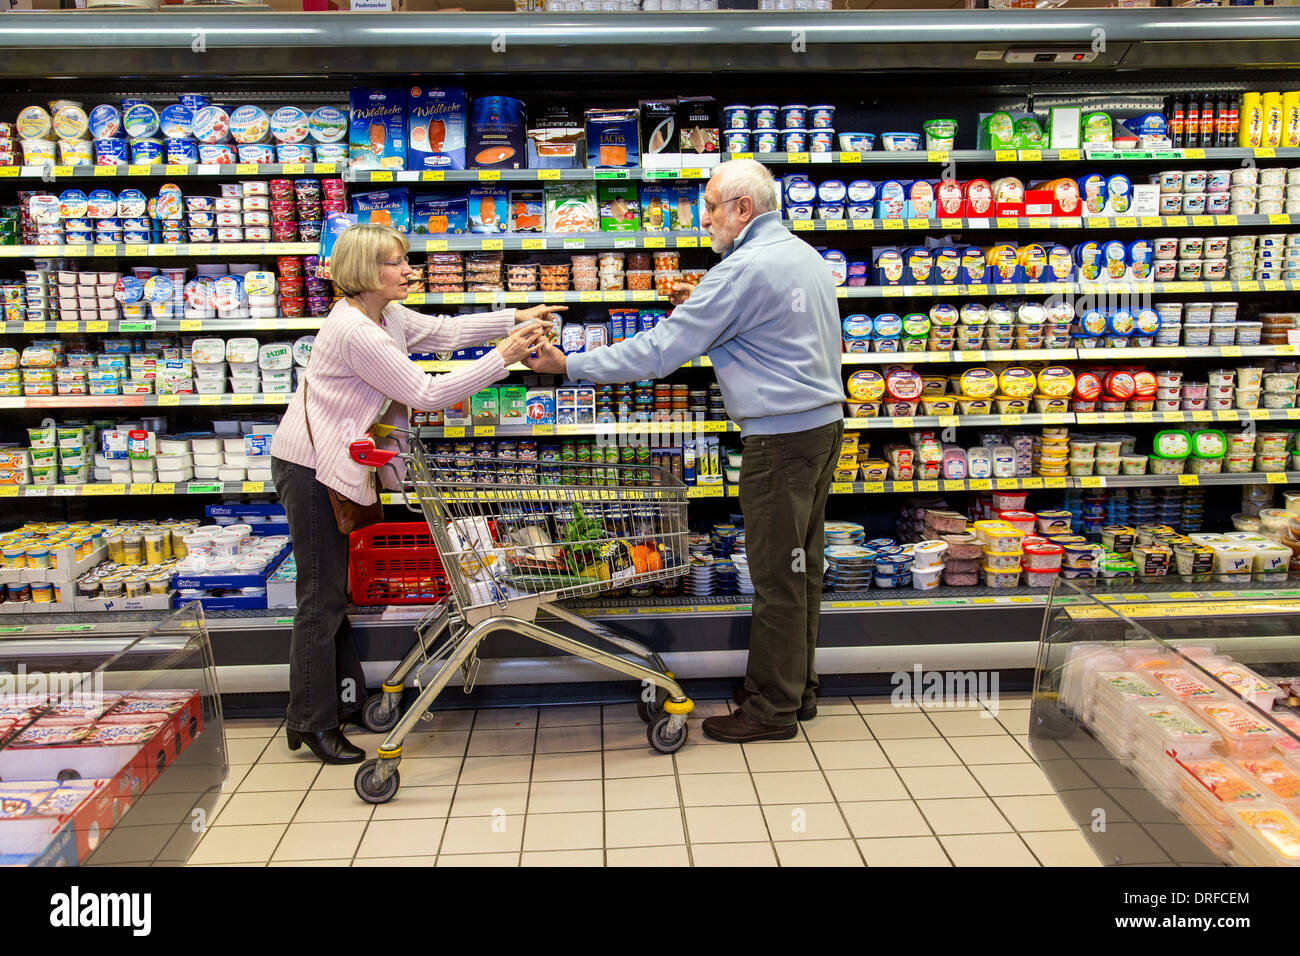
[
  {"x": 698, "y": 126},
  {"x": 540, "y": 406},
  {"x": 512, "y": 404},
  {"x": 557, "y": 139},
  {"x": 387, "y": 207},
  {"x": 527, "y": 210},
  {"x": 485, "y": 407},
  {"x": 670, "y": 207},
  {"x": 496, "y": 133},
  {"x": 487, "y": 209},
  {"x": 377, "y": 138},
  {"x": 571, "y": 207},
  {"x": 435, "y": 128},
  {"x": 440, "y": 213},
  {"x": 620, "y": 210},
  {"x": 613, "y": 138},
  {"x": 658, "y": 124}
]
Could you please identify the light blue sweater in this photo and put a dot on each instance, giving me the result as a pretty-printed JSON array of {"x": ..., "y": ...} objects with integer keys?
[{"x": 767, "y": 318}]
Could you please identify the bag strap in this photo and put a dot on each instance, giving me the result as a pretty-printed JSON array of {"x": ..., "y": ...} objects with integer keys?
[{"x": 306, "y": 415}]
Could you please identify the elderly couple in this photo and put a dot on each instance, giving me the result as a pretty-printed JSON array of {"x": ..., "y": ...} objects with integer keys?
[{"x": 766, "y": 316}]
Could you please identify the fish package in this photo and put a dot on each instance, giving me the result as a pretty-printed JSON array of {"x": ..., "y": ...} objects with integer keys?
[
  {"x": 435, "y": 128},
  {"x": 527, "y": 210},
  {"x": 658, "y": 124},
  {"x": 613, "y": 138},
  {"x": 440, "y": 213},
  {"x": 496, "y": 133},
  {"x": 557, "y": 139},
  {"x": 620, "y": 210},
  {"x": 488, "y": 212},
  {"x": 377, "y": 136},
  {"x": 385, "y": 207},
  {"x": 698, "y": 126},
  {"x": 670, "y": 207}
]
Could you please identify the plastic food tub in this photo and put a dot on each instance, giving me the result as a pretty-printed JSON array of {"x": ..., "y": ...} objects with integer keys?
[{"x": 1001, "y": 579}]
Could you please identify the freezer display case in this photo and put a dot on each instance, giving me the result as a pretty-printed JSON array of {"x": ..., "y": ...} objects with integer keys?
[{"x": 111, "y": 748}]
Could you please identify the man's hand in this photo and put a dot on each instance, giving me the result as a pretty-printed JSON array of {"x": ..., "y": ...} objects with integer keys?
[
  {"x": 548, "y": 360},
  {"x": 681, "y": 292},
  {"x": 541, "y": 313}
]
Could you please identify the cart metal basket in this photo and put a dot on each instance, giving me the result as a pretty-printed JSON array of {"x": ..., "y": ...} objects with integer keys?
[{"x": 516, "y": 537}]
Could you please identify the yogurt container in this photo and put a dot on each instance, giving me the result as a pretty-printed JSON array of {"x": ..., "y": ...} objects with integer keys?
[
  {"x": 326, "y": 124},
  {"x": 794, "y": 117},
  {"x": 177, "y": 122},
  {"x": 900, "y": 142},
  {"x": 735, "y": 118},
  {"x": 857, "y": 142},
  {"x": 140, "y": 121}
]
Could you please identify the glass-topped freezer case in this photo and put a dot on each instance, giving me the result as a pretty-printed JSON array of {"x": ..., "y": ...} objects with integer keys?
[
  {"x": 111, "y": 748},
  {"x": 1167, "y": 720}
]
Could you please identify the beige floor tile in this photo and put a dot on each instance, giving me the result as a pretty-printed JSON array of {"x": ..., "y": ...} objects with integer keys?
[
  {"x": 743, "y": 824},
  {"x": 641, "y": 793},
  {"x": 626, "y": 736},
  {"x": 583, "y": 766},
  {"x": 564, "y": 857},
  {"x": 920, "y": 753},
  {"x": 988, "y": 849},
  {"x": 311, "y": 863},
  {"x": 500, "y": 743},
  {"x": 276, "y": 776},
  {"x": 449, "y": 720},
  {"x": 629, "y": 828},
  {"x": 936, "y": 783},
  {"x": 884, "y": 705},
  {"x": 964, "y": 815},
  {"x": 836, "y": 727},
  {"x": 674, "y": 856},
  {"x": 483, "y": 835},
  {"x": 1016, "y": 701},
  {"x": 414, "y": 838},
  {"x": 1013, "y": 779},
  {"x": 777, "y": 756},
  {"x": 564, "y": 831},
  {"x": 697, "y": 736},
  {"x": 819, "y": 853},
  {"x": 797, "y": 786},
  {"x": 320, "y": 841},
  {"x": 435, "y": 771},
  {"x": 717, "y": 789},
  {"x": 1035, "y": 813},
  {"x": 836, "y": 707},
  {"x": 568, "y": 796},
  {"x": 416, "y": 803},
  {"x": 250, "y": 727},
  {"x": 444, "y": 743},
  {"x": 252, "y": 844},
  {"x": 713, "y": 708},
  {"x": 901, "y": 726},
  {"x": 977, "y": 750},
  {"x": 387, "y": 861},
  {"x": 967, "y": 723},
  {"x": 479, "y": 859},
  {"x": 621, "y": 714},
  {"x": 853, "y": 786},
  {"x": 339, "y": 776},
  {"x": 246, "y": 749},
  {"x": 636, "y": 763},
  {"x": 849, "y": 754},
  {"x": 1061, "y": 848},
  {"x": 490, "y": 799},
  {"x": 332, "y": 806},
  {"x": 574, "y": 739},
  {"x": 723, "y": 758},
  {"x": 887, "y": 818},
  {"x": 569, "y": 716},
  {"x": 1016, "y": 721},
  {"x": 235, "y": 776},
  {"x": 513, "y": 769},
  {"x": 733, "y": 854},
  {"x": 246, "y": 809},
  {"x": 904, "y": 851},
  {"x": 506, "y": 718},
  {"x": 816, "y": 821}
]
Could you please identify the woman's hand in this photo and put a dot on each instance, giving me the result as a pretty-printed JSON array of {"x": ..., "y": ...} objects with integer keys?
[
  {"x": 540, "y": 313},
  {"x": 548, "y": 361},
  {"x": 522, "y": 341}
]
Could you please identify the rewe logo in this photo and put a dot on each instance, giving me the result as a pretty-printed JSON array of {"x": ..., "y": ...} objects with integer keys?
[{"x": 74, "y": 909}]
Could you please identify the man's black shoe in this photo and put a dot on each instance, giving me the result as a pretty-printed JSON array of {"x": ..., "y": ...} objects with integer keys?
[
  {"x": 804, "y": 713},
  {"x": 740, "y": 728}
]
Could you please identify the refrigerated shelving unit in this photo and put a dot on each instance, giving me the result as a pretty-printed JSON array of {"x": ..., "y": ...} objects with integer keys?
[{"x": 884, "y": 69}]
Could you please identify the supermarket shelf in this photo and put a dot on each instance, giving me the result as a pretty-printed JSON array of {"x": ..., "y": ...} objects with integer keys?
[
  {"x": 517, "y": 298},
  {"x": 562, "y": 243},
  {"x": 120, "y": 250},
  {"x": 1186, "y": 351},
  {"x": 1036, "y": 222},
  {"x": 281, "y": 324},
  {"x": 1168, "y": 481},
  {"x": 136, "y": 489},
  {"x": 994, "y": 355},
  {"x": 199, "y": 171},
  {"x": 143, "y": 401},
  {"x": 606, "y": 428},
  {"x": 1225, "y": 415},
  {"x": 945, "y": 421}
]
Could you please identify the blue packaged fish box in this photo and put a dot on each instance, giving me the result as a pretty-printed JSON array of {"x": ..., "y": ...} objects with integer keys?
[
  {"x": 435, "y": 128},
  {"x": 377, "y": 133}
]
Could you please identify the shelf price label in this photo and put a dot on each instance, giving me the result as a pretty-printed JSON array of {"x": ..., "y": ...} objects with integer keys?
[
  {"x": 1231, "y": 351},
  {"x": 141, "y": 488},
  {"x": 535, "y": 243},
  {"x": 875, "y": 487},
  {"x": 1092, "y": 481},
  {"x": 1265, "y": 152},
  {"x": 927, "y": 486},
  {"x": 1031, "y": 155},
  {"x": 164, "y": 488},
  {"x": 841, "y": 487},
  {"x": 850, "y": 157},
  {"x": 1276, "y": 478},
  {"x": 381, "y": 176},
  {"x": 453, "y": 431},
  {"x": 1279, "y": 219},
  {"x": 1071, "y": 155},
  {"x": 981, "y": 484},
  {"x": 1189, "y": 479},
  {"x": 1004, "y": 155},
  {"x": 1259, "y": 414},
  {"x": 688, "y": 242},
  {"x": 1031, "y": 484},
  {"x": 1053, "y": 482}
]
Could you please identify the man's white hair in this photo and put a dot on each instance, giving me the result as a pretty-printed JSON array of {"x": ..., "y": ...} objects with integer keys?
[{"x": 747, "y": 177}]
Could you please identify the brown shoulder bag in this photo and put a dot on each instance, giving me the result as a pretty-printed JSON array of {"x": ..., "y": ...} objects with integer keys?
[{"x": 350, "y": 515}]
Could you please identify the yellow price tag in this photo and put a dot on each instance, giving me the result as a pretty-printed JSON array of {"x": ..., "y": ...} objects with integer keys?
[
  {"x": 1009, "y": 419},
  {"x": 95, "y": 490},
  {"x": 1031, "y": 484},
  {"x": 1279, "y": 219},
  {"x": 1203, "y": 416},
  {"x": 904, "y": 421},
  {"x": 1126, "y": 222},
  {"x": 164, "y": 488},
  {"x": 293, "y": 169},
  {"x": 454, "y": 431},
  {"x": 850, "y": 157},
  {"x": 904, "y": 486},
  {"x": 1143, "y": 417},
  {"x": 99, "y": 171},
  {"x": 1193, "y": 154},
  {"x": 543, "y": 429},
  {"x": 1260, "y": 414},
  {"x": 381, "y": 176},
  {"x": 137, "y": 249},
  {"x": 893, "y": 223},
  {"x": 936, "y": 156},
  {"x": 97, "y": 326},
  {"x": 977, "y": 289},
  {"x": 168, "y": 401},
  {"x": 209, "y": 399},
  {"x": 1053, "y": 482},
  {"x": 1265, "y": 152},
  {"x": 891, "y": 292},
  {"x": 485, "y": 431},
  {"x": 1286, "y": 349},
  {"x": 840, "y": 225},
  {"x": 493, "y": 245},
  {"x": 742, "y": 155},
  {"x": 1152, "y": 222},
  {"x": 34, "y": 327},
  {"x": 949, "y": 421},
  {"x": 65, "y": 327},
  {"x": 1293, "y": 413},
  {"x": 1225, "y": 220},
  {"x": 534, "y": 243},
  {"x": 1039, "y": 222},
  {"x": 1202, "y": 220},
  {"x": 241, "y": 399},
  {"x": 1227, "y": 415},
  {"x": 438, "y": 176},
  {"x": 1232, "y": 351},
  {"x": 927, "y": 486},
  {"x": 1071, "y": 155},
  {"x": 841, "y": 487},
  {"x": 253, "y": 487},
  {"x": 489, "y": 175},
  {"x": 873, "y": 487},
  {"x": 688, "y": 242},
  {"x": 1275, "y": 478},
  {"x": 655, "y": 242},
  {"x": 1189, "y": 479},
  {"x": 691, "y": 174},
  {"x": 141, "y": 488},
  {"x": 1007, "y": 222},
  {"x": 1220, "y": 286},
  {"x": 1273, "y": 285},
  {"x": 589, "y": 297},
  {"x": 191, "y": 325},
  {"x": 980, "y": 484},
  {"x": 453, "y": 298},
  {"x": 954, "y": 485},
  {"x": 105, "y": 250},
  {"x": 1092, "y": 481},
  {"x": 950, "y": 223},
  {"x": 75, "y": 249},
  {"x": 326, "y": 169},
  {"x": 1005, "y": 155},
  {"x": 797, "y": 158},
  {"x": 1031, "y": 155},
  {"x": 918, "y": 224}
]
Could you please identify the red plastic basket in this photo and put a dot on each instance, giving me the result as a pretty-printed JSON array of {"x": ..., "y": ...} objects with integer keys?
[{"x": 395, "y": 562}]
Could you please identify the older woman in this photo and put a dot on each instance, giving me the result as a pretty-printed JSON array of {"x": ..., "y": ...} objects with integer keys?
[{"x": 361, "y": 374}]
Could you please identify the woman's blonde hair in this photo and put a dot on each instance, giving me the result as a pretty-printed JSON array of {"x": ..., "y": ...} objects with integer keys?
[{"x": 359, "y": 255}]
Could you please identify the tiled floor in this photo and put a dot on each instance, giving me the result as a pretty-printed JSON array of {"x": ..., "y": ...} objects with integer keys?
[{"x": 866, "y": 783}]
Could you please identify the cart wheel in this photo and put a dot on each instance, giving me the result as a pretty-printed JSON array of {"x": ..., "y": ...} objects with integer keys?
[
  {"x": 374, "y": 718},
  {"x": 657, "y": 734},
  {"x": 650, "y": 712},
  {"x": 366, "y": 787}
]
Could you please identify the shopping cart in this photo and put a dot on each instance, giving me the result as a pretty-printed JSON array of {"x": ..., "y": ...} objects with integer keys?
[{"x": 515, "y": 538}]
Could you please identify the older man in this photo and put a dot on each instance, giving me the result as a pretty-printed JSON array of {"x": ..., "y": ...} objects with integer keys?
[{"x": 767, "y": 318}]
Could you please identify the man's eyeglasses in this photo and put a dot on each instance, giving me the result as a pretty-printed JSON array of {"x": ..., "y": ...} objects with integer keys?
[
  {"x": 711, "y": 206},
  {"x": 405, "y": 260}
]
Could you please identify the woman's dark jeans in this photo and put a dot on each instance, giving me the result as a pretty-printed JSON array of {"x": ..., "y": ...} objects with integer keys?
[{"x": 326, "y": 683}]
